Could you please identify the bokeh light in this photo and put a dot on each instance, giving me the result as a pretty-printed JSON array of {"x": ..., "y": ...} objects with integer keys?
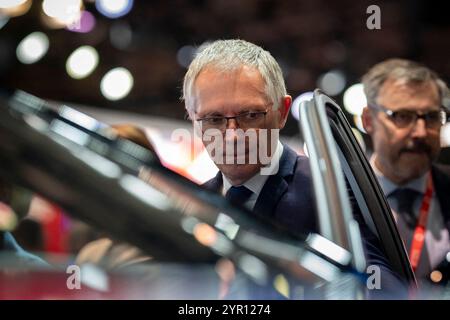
[
  {"x": 32, "y": 48},
  {"x": 185, "y": 55},
  {"x": 82, "y": 62},
  {"x": 332, "y": 82},
  {"x": 116, "y": 84},
  {"x": 436, "y": 276},
  {"x": 205, "y": 234},
  {"x": 63, "y": 12},
  {"x": 114, "y": 8},
  {"x": 14, "y": 8},
  {"x": 85, "y": 24},
  {"x": 295, "y": 108},
  {"x": 355, "y": 99}
]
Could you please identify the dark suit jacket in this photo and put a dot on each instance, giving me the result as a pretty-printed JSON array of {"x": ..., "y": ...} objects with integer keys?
[
  {"x": 287, "y": 198},
  {"x": 280, "y": 199}
]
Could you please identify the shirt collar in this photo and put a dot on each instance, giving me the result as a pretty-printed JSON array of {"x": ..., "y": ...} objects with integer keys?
[
  {"x": 389, "y": 187},
  {"x": 255, "y": 183}
]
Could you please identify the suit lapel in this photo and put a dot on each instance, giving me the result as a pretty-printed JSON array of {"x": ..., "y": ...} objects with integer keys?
[{"x": 276, "y": 185}]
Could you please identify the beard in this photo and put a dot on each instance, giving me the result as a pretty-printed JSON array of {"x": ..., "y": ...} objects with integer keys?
[
  {"x": 418, "y": 146},
  {"x": 413, "y": 160}
]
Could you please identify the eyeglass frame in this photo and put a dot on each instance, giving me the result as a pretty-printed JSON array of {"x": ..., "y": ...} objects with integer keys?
[
  {"x": 390, "y": 113},
  {"x": 235, "y": 118}
]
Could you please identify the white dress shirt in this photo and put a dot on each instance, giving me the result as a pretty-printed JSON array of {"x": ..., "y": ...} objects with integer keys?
[{"x": 256, "y": 183}]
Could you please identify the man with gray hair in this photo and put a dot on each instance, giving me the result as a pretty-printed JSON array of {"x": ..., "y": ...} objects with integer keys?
[
  {"x": 234, "y": 92},
  {"x": 404, "y": 117},
  {"x": 232, "y": 89}
]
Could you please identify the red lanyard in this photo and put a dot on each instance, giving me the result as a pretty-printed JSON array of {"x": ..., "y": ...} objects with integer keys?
[{"x": 419, "y": 232}]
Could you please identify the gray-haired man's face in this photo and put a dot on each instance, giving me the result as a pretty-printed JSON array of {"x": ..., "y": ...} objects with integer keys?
[{"x": 238, "y": 93}]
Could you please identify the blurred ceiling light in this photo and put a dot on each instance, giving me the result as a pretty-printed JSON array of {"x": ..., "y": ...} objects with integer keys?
[
  {"x": 120, "y": 35},
  {"x": 332, "y": 82},
  {"x": 114, "y": 8},
  {"x": 64, "y": 12},
  {"x": 82, "y": 62},
  {"x": 296, "y": 103},
  {"x": 32, "y": 48},
  {"x": 85, "y": 24},
  {"x": 185, "y": 55},
  {"x": 355, "y": 99},
  {"x": 116, "y": 83},
  {"x": 14, "y": 8}
]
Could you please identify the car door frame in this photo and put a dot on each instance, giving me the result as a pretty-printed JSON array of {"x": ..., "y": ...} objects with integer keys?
[{"x": 366, "y": 188}]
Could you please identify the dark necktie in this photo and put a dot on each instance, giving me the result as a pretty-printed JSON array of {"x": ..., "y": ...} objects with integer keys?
[
  {"x": 238, "y": 195},
  {"x": 405, "y": 200}
]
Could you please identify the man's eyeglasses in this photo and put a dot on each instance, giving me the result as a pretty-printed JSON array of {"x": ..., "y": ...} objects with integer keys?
[
  {"x": 246, "y": 120},
  {"x": 407, "y": 118}
]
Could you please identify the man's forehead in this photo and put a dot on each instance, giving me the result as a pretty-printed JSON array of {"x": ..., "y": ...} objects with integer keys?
[
  {"x": 222, "y": 72},
  {"x": 398, "y": 92},
  {"x": 243, "y": 86}
]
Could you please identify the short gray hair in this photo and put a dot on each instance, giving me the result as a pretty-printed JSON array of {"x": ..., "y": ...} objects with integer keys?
[
  {"x": 400, "y": 69},
  {"x": 230, "y": 55}
]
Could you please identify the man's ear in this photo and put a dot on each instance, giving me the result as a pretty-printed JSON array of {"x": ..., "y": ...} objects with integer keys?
[
  {"x": 367, "y": 120},
  {"x": 286, "y": 103}
]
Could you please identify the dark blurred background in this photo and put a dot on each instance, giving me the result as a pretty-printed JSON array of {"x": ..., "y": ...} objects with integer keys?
[
  {"x": 65, "y": 51},
  {"x": 155, "y": 41}
]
